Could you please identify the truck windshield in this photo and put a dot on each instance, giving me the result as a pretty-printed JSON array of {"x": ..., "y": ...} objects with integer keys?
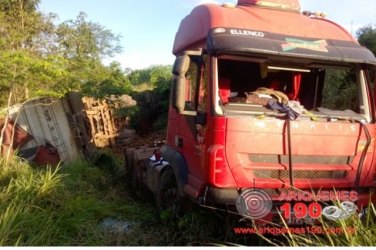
[{"x": 326, "y": 92}]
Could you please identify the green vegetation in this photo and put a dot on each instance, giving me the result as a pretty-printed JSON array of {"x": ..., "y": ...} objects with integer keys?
[
  {"x": 42, "y": 207},
  {"x": 70, "y": 206},
  {"x": 354, "y": 231},
  {"x": 42, "y": 58},
  {"x": 152, "y": 93},
  {"x": 367, "y": 37},
  {"x": 342, "y": 92}
]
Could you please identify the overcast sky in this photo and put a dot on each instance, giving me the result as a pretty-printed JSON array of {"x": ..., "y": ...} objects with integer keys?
[{"x": 148, "y": 27}]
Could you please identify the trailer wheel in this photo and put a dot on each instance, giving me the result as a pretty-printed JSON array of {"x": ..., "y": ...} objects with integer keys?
[
  {"x": 136, "y": 175},
  {"x": 167, "y": 195}
]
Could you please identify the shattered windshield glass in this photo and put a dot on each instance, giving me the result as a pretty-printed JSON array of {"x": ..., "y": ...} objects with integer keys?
[{"x": 292, "y": 91}]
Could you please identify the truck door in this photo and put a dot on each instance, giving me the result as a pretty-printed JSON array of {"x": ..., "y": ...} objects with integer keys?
[{"x": 192, "y": 119}]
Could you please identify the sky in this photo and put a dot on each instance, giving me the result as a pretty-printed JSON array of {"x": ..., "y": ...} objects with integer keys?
[{"x": 147, "y": 27}]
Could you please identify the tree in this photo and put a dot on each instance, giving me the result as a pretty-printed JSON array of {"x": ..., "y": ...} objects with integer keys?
[
  {"x": 85, "y": 44},
  {"x": 41, "y": 58},
  {"x": 20, "y": 23},
  {"x": 24, "y": 28},
  {"x": 27, "y": 75},
  {"x": 151, "y": 76},
  {"x": 367, "y": 37},
  {"x": 116, "y": 83},
  {"x": 83, "y": 40},
  {"x": 24, "y": 69}
]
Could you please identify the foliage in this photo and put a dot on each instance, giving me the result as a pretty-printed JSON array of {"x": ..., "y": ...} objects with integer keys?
[
  {"x": 367, "y": 37},
  {"x": 153, "y": 100},
  {"x": 81, "y": 39},
  {"x": 105, "y": 161},
  {"x": 23, "y": 69},
  {"x": 340, "y": 91},
  {"x": 115, "y": 83},
  {"x": 20, "y": 23},
  {"x": 67, "y": 207},
  {"x": 40, "y": 58},
  {"x": 151, "y": 76},
  {"x": 85, "y": 44},
  {"x": 28, "y": 75},
  {"x": 60, "y": 207},
  {"x": 353, "y": 231}
]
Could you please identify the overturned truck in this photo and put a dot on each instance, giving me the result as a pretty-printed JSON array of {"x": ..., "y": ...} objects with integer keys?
[{"x": 269, "y": 105}]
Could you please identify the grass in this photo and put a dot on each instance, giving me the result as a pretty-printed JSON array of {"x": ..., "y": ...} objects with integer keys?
[
  {"x": 358, "y": 230},
  {"x": 354, "y": 231},
  {"x": 59, "y": 207},
  {"x": 68, "y": 206}
]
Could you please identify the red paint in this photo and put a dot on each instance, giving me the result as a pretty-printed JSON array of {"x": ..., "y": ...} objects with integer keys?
[
  {"x": 194, "y": 28},
  {"x": 222, "y": 155}
]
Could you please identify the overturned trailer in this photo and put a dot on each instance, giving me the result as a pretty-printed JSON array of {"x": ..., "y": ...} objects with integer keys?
[
  {"x": 50, "y": 130},
  {"x": 49, "y": 133}
]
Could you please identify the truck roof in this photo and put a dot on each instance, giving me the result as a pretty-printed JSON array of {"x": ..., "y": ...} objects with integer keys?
[{"x": 267, "y": 30}]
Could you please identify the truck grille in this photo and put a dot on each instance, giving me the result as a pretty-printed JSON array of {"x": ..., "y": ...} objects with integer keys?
[
  {"x": 303, "y": 159},
  {"x": 300, "y": 174}
]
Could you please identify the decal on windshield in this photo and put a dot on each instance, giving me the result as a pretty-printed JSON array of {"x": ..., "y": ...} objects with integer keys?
[{"x": 320, "y": 45}]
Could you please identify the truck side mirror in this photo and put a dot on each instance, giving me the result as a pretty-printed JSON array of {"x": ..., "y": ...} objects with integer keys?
[
  {"x": 181, "y": 65},
  {"x": 179, "y": 70},
  {"x": 178, "y": 93}
]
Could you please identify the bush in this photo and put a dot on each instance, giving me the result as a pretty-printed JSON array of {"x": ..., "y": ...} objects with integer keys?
[
  {"x": 152, "y": 96},
  {"x": 152, "y": 109}
]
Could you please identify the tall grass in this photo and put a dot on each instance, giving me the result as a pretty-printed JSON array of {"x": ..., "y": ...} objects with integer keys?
[
  {"x": 358, "y": 230},
  {"x": 66, "y": 206},
  {"x": 58, "y": 207},
  {"x": 354, "y": 231}
]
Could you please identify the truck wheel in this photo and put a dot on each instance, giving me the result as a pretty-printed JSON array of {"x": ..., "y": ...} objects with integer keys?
[
  {"x": 167, "y": 195},
  {"x": 136, "y": 174},
  {"x": 128, "y": 163}
]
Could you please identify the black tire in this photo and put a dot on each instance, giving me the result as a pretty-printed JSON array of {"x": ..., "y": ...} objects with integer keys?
[
  {"x": 128, "y": 163},
  {"x": 136, "y": 174},
  {"x": 167, "y": 195}
]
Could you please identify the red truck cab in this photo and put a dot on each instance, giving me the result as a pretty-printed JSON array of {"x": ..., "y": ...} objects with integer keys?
[{"x": 268, "y": 98}]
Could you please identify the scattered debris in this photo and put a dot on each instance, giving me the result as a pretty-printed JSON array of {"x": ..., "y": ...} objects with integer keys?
[{"x": 113, "y": 226}]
